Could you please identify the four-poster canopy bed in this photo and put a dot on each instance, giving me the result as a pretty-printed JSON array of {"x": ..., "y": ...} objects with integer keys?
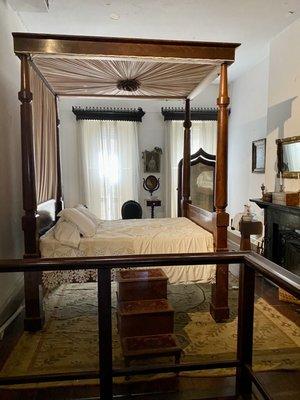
[{"x": 119, "y": 67}]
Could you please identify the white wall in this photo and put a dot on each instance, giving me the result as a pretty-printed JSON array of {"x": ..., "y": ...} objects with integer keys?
[
  {"x": 247, "y": 122},
  {"x": 11, "y": 238},
  {"x": 151, "y": 134},
  {"x": 265, "y": 102},
  {"x": 284, "y": 98}
]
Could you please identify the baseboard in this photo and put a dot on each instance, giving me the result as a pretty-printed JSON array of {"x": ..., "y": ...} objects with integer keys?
[
  {"x": 11, "y": 315},
  {"x": 14, "y": 298},
  {"x": 11, "y": 336}
]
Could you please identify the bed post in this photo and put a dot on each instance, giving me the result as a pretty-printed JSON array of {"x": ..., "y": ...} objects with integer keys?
[
  {"x": 58, "y": 202},
  {"x": 219, "y": 299},
  {"x": 33, "y": 308},
  {"x": 186, "y": 186}
]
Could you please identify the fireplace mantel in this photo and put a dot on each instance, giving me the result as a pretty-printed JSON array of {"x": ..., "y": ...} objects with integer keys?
[
  {"x": 282, "y": 234},
  {"x": 264, "y": 204}
]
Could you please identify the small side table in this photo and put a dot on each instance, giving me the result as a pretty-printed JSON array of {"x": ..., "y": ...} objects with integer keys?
[
  {"x": 153, "y": 204},
  {"x": 248, "y": 228}
]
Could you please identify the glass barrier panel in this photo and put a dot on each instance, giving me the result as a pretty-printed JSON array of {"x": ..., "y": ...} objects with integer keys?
[
  {"x": 162, "y": 317},
  {"x": 276, "y": 343}
]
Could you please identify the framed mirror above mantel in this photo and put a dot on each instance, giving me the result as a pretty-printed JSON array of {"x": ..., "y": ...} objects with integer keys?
[{"x": 288, "y": 157}]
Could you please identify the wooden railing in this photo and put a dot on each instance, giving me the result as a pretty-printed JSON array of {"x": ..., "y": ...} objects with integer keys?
[{"x": 249, "y": 264}]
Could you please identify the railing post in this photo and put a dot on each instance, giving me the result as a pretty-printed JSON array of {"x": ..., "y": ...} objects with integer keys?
[
  {"x": 105, "y": 333},
  {"x": 186, "y": 170},
  {"x": 245, "y": 329}
]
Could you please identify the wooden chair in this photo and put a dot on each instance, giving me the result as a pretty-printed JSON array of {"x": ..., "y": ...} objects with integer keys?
[{"x": 131, "y": 210}]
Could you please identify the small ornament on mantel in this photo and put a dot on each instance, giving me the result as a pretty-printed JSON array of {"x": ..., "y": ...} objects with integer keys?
[
  {"x": 266, "y": 196},
  {"x": 286, "y": 198},
  {"x": 281, "y": 187}
]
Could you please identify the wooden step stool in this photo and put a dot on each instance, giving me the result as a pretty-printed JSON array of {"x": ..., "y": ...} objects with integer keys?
[
  {"x": 140, "y": 347},
  {"x": 141, "y": 284},
  {"x": 145, "y": 317}
]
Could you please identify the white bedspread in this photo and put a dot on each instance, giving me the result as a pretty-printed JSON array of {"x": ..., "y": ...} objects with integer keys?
[{"x": 132, "y": 237}]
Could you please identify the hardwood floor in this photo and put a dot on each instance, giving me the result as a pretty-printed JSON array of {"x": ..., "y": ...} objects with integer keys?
[{"x": 281, "y": 385}]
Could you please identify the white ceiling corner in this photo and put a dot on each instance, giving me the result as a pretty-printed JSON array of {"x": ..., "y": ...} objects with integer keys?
[
  {"x": 30, "y": 5},
  {"x": 253, "y": 23}
]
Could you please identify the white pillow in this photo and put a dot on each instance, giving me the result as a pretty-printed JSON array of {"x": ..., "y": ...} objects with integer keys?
[
  {"x": 88, "y": 214},
  {"x": 85, "y": 226},
  {"x": 67, "y": 233}
]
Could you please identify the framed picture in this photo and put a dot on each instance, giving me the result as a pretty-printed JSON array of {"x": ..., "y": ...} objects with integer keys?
[
  {"x": 152, "y": 160},
  {"x": 259, "y": 155}
]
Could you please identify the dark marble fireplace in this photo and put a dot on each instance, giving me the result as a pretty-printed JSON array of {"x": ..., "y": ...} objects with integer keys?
[{"x": 282, "y": 234}]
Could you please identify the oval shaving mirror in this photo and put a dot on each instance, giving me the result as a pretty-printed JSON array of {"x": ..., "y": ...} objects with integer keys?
[{"x": 151, "y": 183}]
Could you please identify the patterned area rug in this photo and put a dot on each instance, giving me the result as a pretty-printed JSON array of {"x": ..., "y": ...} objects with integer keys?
[{"x": 68, "y": 342}]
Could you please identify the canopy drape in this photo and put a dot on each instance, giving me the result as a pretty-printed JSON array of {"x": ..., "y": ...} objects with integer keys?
[{"x": 44, "y": 139}]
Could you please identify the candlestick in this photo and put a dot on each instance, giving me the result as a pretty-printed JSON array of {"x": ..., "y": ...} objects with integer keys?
[{"x": 263, "y": 188}]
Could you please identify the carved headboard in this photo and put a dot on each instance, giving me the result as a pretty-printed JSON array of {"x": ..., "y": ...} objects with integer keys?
[{"x": 202, "y": 181}]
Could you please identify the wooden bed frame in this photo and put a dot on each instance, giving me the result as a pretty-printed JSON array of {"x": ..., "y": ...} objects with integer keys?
[{"x": 27, "y": 45}]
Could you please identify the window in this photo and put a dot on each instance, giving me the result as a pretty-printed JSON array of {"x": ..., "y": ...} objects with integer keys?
[{"x": 110, "y": 165}]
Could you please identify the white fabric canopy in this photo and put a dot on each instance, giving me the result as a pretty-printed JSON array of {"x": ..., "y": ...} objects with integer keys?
[
  {"x": 98, "y": 77},
  {"x": 109, "y": 165},
  {"x": 203, "y": 134}
]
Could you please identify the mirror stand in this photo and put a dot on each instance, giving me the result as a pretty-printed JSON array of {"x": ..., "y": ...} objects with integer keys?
[{"x": 151, "y": 184}]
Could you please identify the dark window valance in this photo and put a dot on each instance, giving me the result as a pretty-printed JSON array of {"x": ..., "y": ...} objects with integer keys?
[
  {"x": 197, "y": 114},
  {"x": 112, "y": 114}
]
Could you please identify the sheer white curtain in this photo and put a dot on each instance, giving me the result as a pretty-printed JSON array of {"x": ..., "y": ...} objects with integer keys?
[
  {"x": 109, "y": 165},
  {"x": 203, "y": 134}
]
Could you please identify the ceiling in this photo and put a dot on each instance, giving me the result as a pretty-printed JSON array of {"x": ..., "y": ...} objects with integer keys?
[{"x": 250, "y": 22}]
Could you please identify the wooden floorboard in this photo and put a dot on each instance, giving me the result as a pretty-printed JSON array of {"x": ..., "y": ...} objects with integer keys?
[{"x": 281, "y": 385}]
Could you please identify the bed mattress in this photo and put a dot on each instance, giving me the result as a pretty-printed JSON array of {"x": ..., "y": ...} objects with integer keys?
[{"x": 133, "y": 237}]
